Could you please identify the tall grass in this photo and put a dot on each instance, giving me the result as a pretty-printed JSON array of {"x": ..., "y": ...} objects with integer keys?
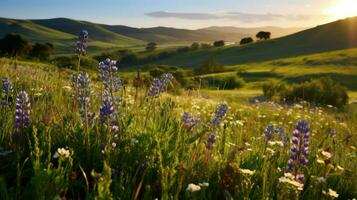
[{"x": 156, "y": 156}]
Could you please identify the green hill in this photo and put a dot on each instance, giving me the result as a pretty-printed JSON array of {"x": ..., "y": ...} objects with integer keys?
[
  {"x": 328, "y": 37},
  {"x": 64, "y": 34}
]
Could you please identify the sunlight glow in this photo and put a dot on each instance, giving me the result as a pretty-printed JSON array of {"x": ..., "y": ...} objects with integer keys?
[{"x": 343, "y": 9}]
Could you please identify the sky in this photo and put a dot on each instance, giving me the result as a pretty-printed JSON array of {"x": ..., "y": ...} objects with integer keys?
[{"x": 190, "y": 14}]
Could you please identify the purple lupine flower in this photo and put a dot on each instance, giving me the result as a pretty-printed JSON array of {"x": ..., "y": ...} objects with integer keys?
[
  {"x": 22, "y": 116},
  {"x": 269, "y": 132},
  {"x": 107, "y": 70},
  {"x": 299, "y": 150},
  {"x": 82, "y": 43},
  {"x": 154, "y": 90},
  {"x": 159, "y": 85},
  {"x": 107, "y": 109},
  {"x": 189, "y": 121},
  {"x": 211, "y": 140},
  {"x": 6, "y": 92},
  {"x": 84, "y": 97},
  {"x": 165, "y": 81},
  {"x": 219, "y": 114}
]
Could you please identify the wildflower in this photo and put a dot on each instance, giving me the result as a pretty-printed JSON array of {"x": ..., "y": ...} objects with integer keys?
[
  {"x": 159, "y": 85},
  {"x": 7, "y": 92},
  {"x": 204, "y": 184},
  {"x": 82, "y": 43},
  {"x": 269, "y": 132},
  {"x": 211, "y": 140},
  {"x": 297, "y": 185},
  {"x": 165, "y": 80},
  {"x": 114, "y": 145},
  {"x": 332, "y": 193},
  {"x": 84, "y": 97},
  {"x": 219, "y": 114},
  {"x": 193, "y": 188},
  {"x": 188, "y": 121},
  {"x": 107, "y": 70},
  {"x": 22, "y": 117},
  {"x": 247, "y": 171},
  {"x": 62, "y": 152},
  {"x": 106, "y": 109},
  {"x": 154, "y": 90},
  {"x": 299, "y": 149}
]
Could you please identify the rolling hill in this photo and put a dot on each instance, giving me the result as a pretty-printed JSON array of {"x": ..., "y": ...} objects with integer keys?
[
  {"x": 336, "y": 35},
  {"x": 63, "y": 32}
]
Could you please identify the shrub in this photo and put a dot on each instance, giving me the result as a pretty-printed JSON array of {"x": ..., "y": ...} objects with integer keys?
[
  {"x": 226, "y": 82},
  {"x": 212, "y": 65},
  {"x": 320, "y": 91},
  {"x": 219, "y": 43},
  {"x": 71, "y": 62}
]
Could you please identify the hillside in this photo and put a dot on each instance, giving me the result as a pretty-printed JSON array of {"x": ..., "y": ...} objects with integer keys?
[
  {"x": 63, "y": 32},
  {"x": 328, "y": 37}
]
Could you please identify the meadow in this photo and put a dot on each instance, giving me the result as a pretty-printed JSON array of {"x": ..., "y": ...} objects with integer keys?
[{"x": 93, "y": 138}]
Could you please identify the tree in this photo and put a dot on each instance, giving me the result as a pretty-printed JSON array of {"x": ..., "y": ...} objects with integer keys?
[
  {"x": 14, "y": 45},
  {"x": 263, "y": 35},
  {"x": 151, "y": 46},
  {"x": 246, "y": 40},
  {"x": 218, "y": 43},
  {"x": 41, "y": 51},
  {"x": 205, "y": 46},
  {"x": 211, "y": 65},
  {"x": 195, "y": 46}
]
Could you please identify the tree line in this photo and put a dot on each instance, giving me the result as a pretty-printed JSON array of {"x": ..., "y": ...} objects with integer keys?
[{"x": 14, "y": 45}]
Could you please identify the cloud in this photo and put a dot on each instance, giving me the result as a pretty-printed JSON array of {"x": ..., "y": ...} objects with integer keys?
[{"x": 240, "y": 16}]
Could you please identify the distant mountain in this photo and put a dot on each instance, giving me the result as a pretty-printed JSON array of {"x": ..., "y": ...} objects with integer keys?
[
  {"x": 341, "y": 34},
  {"x": 63, "y": 32}
]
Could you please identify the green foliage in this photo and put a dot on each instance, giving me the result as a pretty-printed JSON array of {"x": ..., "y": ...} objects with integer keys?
[
  {"x": 212, "y": 65},
  {"x": 225, "y": 82},
  {"x": 41, "y": 51},
  {"x": 263, "y": 35},
  {"x": 14, "y": 45},
  {"x": 70, "y": 62},
  {"x": 246, "y": 40},
  {"x": 151, "y": 46},
  {"x": 319, "y": 91},
  {"x": 218, "y": 43}
]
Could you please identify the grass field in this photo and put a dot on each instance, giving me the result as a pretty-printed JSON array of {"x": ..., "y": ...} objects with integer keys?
[
  {"x": 154, "y": 153},
  {"x": 102, "y": 134}
]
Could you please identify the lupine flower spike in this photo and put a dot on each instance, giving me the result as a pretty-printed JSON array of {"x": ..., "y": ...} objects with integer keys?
[
  {"x": 219, "y": 114},
  {"x": 6, "y": 92},
  {"x": 84, "y": 97},
  {"x": 299, "y": 151},
  {"x": 159, "y": 85},
  {"x": 107, "y": 114},
  {"x": 107, "y": 70},
  {"x": 189, "y": 121},
  {"x": 82, "y": 43},
  {"x": 269, "y": 132},
  {"x": 22, "y": 115},
  {"x": 211, "y": 140}
]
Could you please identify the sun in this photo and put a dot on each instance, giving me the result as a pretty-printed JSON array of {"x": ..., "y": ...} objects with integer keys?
[{"x": 343, "y": 9}]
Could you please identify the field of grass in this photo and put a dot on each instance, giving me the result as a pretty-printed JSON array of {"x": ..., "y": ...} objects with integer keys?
[
  {"x": 155, "y": 153},
  {"x": 340, "y": 65}
]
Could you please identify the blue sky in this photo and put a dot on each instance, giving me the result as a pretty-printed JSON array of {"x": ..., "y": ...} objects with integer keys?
[{"x": 177, "y": 13}]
